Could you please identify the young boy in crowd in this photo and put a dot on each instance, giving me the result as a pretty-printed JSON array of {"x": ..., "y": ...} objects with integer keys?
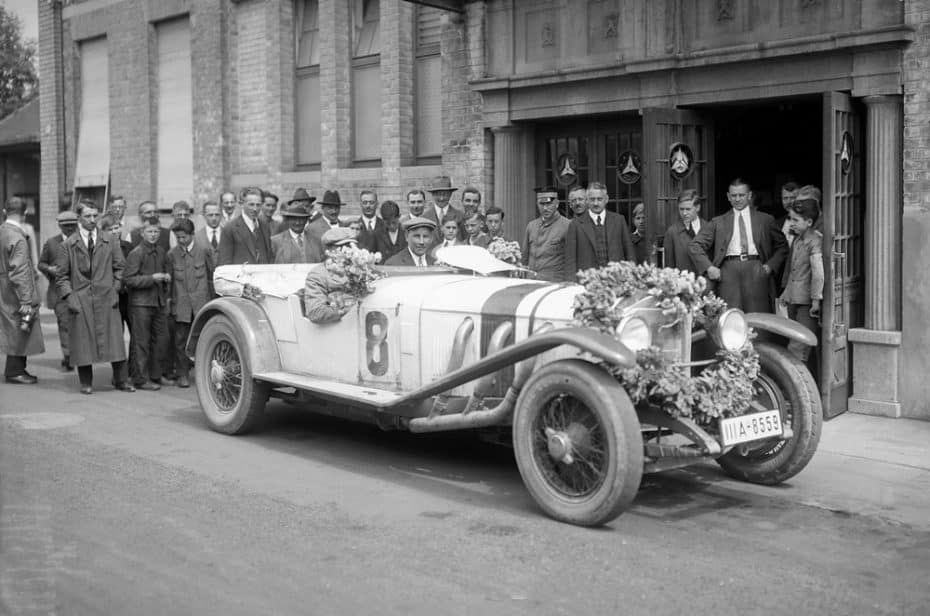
[
  {"x": 474, "y": 235},
  {"x": 803, "y": 277},
  {"x": 147, "y": 278},
  {"x": 191, "y": 267}
]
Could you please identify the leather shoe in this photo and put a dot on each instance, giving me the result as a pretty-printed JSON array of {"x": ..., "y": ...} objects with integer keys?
[
  {"x": 149, "y": 386},
  {"x": 124, "y": 386},
  {"x": 167, "y": 380},
  {"x": 87, "y": 389},
  {"x": 22, "y": 379},
  {"x": 184, "y": 382}
]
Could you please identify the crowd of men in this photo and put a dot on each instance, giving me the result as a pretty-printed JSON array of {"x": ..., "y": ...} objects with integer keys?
[{"x": 106, "y": 273}]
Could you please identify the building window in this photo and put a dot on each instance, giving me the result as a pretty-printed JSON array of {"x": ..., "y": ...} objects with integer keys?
[
  {"x": 175, "y": 113},
  {"x": 366, "y": 80},
  {"x": 307, "y": 83},
  {"x": 428, "y": 83},
  {"x": 92, "y": 165}
]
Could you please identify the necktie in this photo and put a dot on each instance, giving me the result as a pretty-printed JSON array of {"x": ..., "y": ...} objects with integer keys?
[
  {"x": 213, "y": 241},
  {"x": 690, "y": 230},
  {"x": 371, "y": 226},
  {"x": 743, "y": 237},
  {"x": 90, "y": 243},
  {"x": 599, "y": 220},
  {"x": 300, "y": 242}
]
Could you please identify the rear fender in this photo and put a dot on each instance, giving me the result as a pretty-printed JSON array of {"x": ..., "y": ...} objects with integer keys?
[
  {"x": 781, "y": 326},
  {"x": 253, "y": 331}
]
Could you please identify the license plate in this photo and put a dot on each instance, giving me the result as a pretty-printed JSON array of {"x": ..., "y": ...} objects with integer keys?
[{"x": 745, "y": 428}]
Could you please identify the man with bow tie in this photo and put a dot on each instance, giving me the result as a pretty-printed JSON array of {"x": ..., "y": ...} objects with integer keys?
[
  {"x": 739, "y": 251},
  {"x": 680, "y": 233}
]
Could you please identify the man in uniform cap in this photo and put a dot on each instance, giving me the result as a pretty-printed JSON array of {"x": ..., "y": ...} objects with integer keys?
[
  {"x": 325, "y": 300},
  {"x": 67, "y": 224},
  {"x": 330, "y": 206},
  {"x": 419, "y": 232},
  {"x": 544, "y": 240},
  {"x": 292, "y": 245}
]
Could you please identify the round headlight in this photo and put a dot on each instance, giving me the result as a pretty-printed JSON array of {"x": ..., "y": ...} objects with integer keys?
[
  {"x": 732, "y": 330},
  {"x": 634, "y": 333}
]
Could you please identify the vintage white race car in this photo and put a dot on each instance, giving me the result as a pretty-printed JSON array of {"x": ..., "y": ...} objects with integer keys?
[{"x": 473, "y": 347}]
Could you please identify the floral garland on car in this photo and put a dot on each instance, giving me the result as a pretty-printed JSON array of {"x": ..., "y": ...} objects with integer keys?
[
  {"x": 722, "y": 389},
  {"x": 508, "y": 252},
  {"x": 356, "y": 266}
]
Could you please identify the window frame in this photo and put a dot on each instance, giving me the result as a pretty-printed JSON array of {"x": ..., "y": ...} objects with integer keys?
[{"x": 302, "y": 72}]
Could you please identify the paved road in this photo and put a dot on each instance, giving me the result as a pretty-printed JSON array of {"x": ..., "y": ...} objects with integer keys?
[{"x": 126, "y": 504}]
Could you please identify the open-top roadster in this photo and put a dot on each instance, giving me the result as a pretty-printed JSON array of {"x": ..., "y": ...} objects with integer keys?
[{"x": 443, "y": 348}]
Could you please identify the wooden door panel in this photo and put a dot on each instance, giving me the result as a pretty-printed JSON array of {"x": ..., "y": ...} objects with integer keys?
[{"x": 843, "y": 247}]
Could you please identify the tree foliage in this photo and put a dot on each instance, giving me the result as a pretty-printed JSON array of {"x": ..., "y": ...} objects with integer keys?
[{"x": 18, "y": 79}]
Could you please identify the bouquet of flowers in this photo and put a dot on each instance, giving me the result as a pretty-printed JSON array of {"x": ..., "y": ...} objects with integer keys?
[
  {"x": 508, "y": 252},
  {"x": 356, "y": 266}
]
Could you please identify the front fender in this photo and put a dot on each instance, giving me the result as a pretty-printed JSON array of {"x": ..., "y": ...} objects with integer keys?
[
  {"x": 253, "y": 330},
  {"x": 781, "y": 326}
]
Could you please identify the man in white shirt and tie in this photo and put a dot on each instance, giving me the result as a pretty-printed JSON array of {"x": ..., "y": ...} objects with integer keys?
[
  {"x": 746, "y": 246},
  {"x": 292, "y": 244},
  {"x": 371, "y": 224},
  {"x": 208, "y": 236},
  {"x": 419, "y": 233},
  {"x": 680, "y": 233}
]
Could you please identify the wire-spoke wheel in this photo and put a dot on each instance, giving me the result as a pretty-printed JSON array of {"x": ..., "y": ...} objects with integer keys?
[
  {"x": 784, "y": 383},
  {"x": 231, "y": 401},
  {"x": 577, "y": 443}
]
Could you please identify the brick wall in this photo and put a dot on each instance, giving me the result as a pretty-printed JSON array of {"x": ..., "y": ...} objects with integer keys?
[
  {"x": 250, "y": 119},
  {"x": 916, "y": 77}
]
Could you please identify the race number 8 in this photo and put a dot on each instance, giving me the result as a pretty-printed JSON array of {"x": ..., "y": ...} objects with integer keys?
[{"x": 376, "y": 346}]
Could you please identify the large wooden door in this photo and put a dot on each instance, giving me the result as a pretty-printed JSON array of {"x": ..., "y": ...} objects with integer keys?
[
  {"x": 842, "y": 246},
  {"x": 663, "y": 131}
]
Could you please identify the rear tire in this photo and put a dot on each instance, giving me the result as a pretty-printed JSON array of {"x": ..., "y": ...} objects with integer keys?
[
  {"x": 577, "y": 441},
  {"x": 232, "y": 402},
  {"x": 785, "y": 382}
]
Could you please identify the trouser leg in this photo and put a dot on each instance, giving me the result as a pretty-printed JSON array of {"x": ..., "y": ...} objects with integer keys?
[
  {"x": 801, "y": 313},
  {"x": 181, "y": 360},
  {"x": 169, "y": 367},
  {"x": 15, "y": 365},
  {"x": 86, "y": 375},
  {"x": 728, "y": 287},
  {"x": 140, "y": 320},
  {"x": 159, "y": 344},
  {"x": 63, "y": 316},
  {"x": 754, "y": 283},
  {"x": 120, "y": 373}
]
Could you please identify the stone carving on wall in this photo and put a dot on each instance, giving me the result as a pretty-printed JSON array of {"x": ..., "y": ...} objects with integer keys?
[
  {"x": 611, "y": 24},
  {"x": 548, "y": 35},
  {"x": 725, "y": 10}
]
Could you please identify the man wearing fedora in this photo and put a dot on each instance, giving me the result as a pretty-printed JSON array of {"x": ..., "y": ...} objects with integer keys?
[
  {"x": 292, "y": 244},
  {"x": 246, "y": 239},
  {"x": 330, "y": 206},
  {"x": 305, "y": 200},
  {"x": 419, "y": 233},
  {"x": 441, "y": 190}
]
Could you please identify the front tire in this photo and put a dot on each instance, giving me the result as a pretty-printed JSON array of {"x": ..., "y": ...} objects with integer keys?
[
  {"x": 784, "y": 383},
  {"x": 577, "y": 442},
  {"x": 232, "y": 402}
]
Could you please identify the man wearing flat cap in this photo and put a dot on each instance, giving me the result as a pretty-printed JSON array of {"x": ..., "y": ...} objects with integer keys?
[
  {"x": 67, "y": 224},
  {"x": 419, "y": 233},
  {"x": 292, "y": 245},
  {"x": 441, "y": 190},
  {"x": 330, "y": 206},
  {"x": 325, "y": 299},
  {"x": 544, "y": 240}
]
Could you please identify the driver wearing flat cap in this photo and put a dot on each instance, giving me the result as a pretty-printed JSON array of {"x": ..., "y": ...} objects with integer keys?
[
  {"x": 325, "y": 299},
  {"x": 419, "y": 232}
]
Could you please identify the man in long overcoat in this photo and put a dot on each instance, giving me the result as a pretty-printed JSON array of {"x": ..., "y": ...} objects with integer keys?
[
  {"x": 19, "y": 297},
  {"x": 90, "y": 271},
  {"x": 48, "y": 265}
]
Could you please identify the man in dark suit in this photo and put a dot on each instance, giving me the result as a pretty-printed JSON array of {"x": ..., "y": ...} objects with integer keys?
[
  {"x": 208, "y": 236},
  {"x": 680, "y": 233},
  {"x": 598, "y": 237},
  {"x": 371, "y": 224},
  {"x": 390, "y": 239},
  {"x": 739, "y": 251},
  {"x": 441, "y": 190},
  {"x": 292, "y": 244},
  {"x": 419, "y": 233},
  {"x": 245, "y": 238},
  {"x": 330, "y": 206}
]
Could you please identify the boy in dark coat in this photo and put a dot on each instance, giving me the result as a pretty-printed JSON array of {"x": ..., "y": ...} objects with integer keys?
[
  {"x": 191, "y": 268},
  {"x": 147, "y": 278}
]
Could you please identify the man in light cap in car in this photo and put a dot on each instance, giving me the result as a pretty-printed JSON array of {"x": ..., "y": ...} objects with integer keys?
[
  {"x": 419, "y": 233},
  {"x": 544, "y": 241},
  {"x": 325, "y": 300}
]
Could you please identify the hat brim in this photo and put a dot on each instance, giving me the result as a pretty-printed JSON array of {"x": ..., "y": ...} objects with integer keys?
[
  {"x": 435, "y": 190},
  {"x": 322, "y": 203},
  {"x": 310, "y": 199},
  {"x": 295, "y": 215}
]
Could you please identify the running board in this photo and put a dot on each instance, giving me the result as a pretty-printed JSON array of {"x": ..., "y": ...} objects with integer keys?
[{"x": 334, "y": 390}]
